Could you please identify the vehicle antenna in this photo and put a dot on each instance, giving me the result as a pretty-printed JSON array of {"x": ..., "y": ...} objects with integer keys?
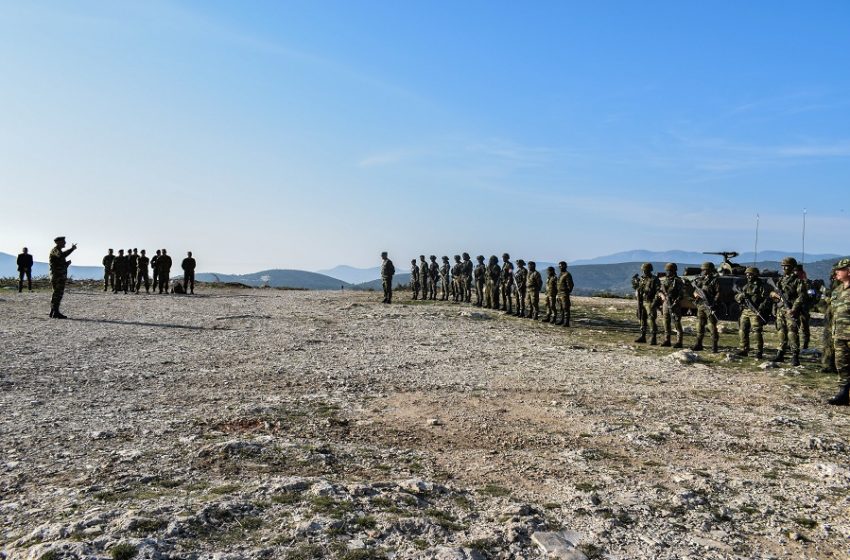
[
  {"x": 803, "y": 256},
  {"x": 756, "y": 248}
]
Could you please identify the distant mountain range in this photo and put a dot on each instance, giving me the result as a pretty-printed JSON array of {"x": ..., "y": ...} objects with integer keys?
[
  {"x": 353, "y": 275},
  {"x": 278, "y": 278},
  {"x": 680, "y": 257}
]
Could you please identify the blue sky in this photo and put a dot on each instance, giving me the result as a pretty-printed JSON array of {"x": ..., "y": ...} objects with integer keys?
[{"x": 309, "y": 134}]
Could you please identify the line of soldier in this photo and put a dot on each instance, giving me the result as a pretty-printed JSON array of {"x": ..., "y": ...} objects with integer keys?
[
  {"x": 514, "y": 290},
  {"x": 127, "y": 272}
]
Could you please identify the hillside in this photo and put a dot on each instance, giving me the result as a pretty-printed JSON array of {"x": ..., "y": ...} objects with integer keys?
[
  {"x": 279, "y": 278},
  {"x": 9, "y": 268}
]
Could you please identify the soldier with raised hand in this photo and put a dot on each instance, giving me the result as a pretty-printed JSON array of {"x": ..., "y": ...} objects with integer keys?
[
  {"x": 59, "y": 274},
  {"x": 142, "y": 273},
  {"x": 387, "y": 273},
  {"x": 163, "y": 265},
  {"x": 671, "y": 294},
  {"x": 155, "y": 269},
  {"x": 467, "y": 278},
  {"x": 480, "y": 276},
  {"x": 119, "y": 266},
  {"x": 507, "y": 281},
  {"x": 841, "y": 330},
  {"x": 709, "y": 284},
  {"x": 444, "y": 279},
  {"x": 433, "y": 276},
  {"x": 493, "y": 280},
  {"x": 457, "y": 282},
  {"x": 188, "y": 265},
  {"x": 414, "y": 278},
  {"x": 755, "y": 303},
  {"x": 647, "y": 289},
  {"x": 24, "y": 263},
  {"x": 108, "y": 273},
  {"x": 551, "y": 294},
  {"x": 520, "y": 278},
  {"x": 533, "y": 283},
  {"x": 788, "y": 298},
  {"x": 565, "y": 288}
]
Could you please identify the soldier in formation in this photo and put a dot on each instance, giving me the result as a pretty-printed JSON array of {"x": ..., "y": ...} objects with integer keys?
[
  {"x": 520, "y": 278},
  {"x": 424, "y": 277},
  {"x": 551, "y": 294},
  {"x": 433, "y": 277},
  {"x": 59, "y": 264},
  {"x": 458, "y": 289},
  {"x": 467, "y": 278},
  {"x": 647, "y": 287},
  {"x": 533, "y": 283},
  {"x": 387, "y": 273},
  {"x": 142, "y": 273},
  {"x": 108, "y": 273},
  {"x": 188, "y": 266},
  {"x": 163, "y": 270},
  {"x": 788, "y": 296},
  {"x": 494, "y": 279},
  {"x": 840, "y": 302},
  {"x": 672, "y": 292},
  {"x": 480, "y": 276},
  {"x": 24, "y": 263},
  {"x": 445, "y": 271},
  {"x": 755, "y": 308},
  {"x": 507, "y": 283},
  {"x": 706, "y": 294},
  {"x": 414, "y": 278},
  {"x": 565, "y": 288}
]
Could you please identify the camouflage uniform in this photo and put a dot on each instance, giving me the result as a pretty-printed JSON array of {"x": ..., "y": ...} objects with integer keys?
[
  {"x": 108, "y": 275},
  {"x": 424, "y": 280},
  {"x": 58, "y": 275},
  {"x": 806, "y": 310},
  {"x": 434, "y": 276},
  {"x": 787, "y": 318},
  {"x": 457, "y": 282},
  {"x": 520, "y": 277},
  {"x": 565, "y": 288},
  {"x": 480, "y": 275},
  {"x": 188, "y": 265},
  {"x": 163, "y": 264},
  {"x": 445, "y": 271},
  {"x": 551, "y": 294},
  {"x": 142, "y": 273},
  {"x": 841, "y": 331},
  {"x": 387, "y": 272},
  {"x": 119, "y": 269},
  {"x": 133, "y": 258},
  {"x": 414, "y": 278},
  {"x": 155, "y": 269},
  {"x": 672, "y": 292},
  {"x": 647, "y": 287},
  {"x": 507, "y": 281},
  {"x": 828, "y": 358},
  {"x": 533, "y": 283},
  {"x": 756, "y": 293},
  {"x": 493, "y": 280},
  {"x": 709, "y": 283},
  {"x": 467, "y": 278}
]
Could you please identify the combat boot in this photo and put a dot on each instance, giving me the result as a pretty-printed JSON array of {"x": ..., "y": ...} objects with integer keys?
[
  {"x": 679, "y": 343},
  {"x": 760, "y": 350},
  {"x": 57, "y": 314},
  {"x": 666, "y": 343},
  {"x": 743, "y": 352},
  {"x": 567, "y": 319},
  {"x": 795, "y": 359},
  {"x": 653, "y": 341},
  {"x": 842, "y": 398},
  {"x": 698, "y": 346},
  {"x": 780, "y": 356},
  {"x": 641, "y": 338},
  {"x": 828, "y": 369},
  {"x": 714, "y": 348}
]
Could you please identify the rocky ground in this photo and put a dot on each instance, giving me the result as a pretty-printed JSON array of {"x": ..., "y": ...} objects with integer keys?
[{"x": 289, "y": 424}]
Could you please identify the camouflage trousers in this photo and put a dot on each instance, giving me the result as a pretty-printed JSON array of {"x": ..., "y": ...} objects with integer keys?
[
  {"x": 467, "y": 285},
  {"x": 387, "y": 283},
  {"x": 789, "y": 330},
  {"x": 414, "y": 285},
  {"x": 58, "y": 283},
  {"x": 507, "y": 297},
  {"x": 649, "y": 318},
  {"x": 703, "y": 317},
  {"x": 457, "y": 289},
  {"x": 423, "y": 286},
  {"x": 551, "y": 306},
  {"x": 432, "y": 287},
  {"x": 189, "y": 282},
  {"x": 532, "y": 299},
  {"x": 805, "y": 327},
  {"x": 751, "y": 321},
  {"x": 479, "y": 293},
  {"x": 119, "y": 285},
  {"x": 520, "y": 299},
  {"x": 672, "y": 319},
  {"x": 163, "y": 282},
  {"x": 444, "y": 280},
  {"x": 828, "y": 358},
  {"x": 491, "y": 295},
  {"x": 562, "y": 312},
  {"x": 108, "y": 280},
  {"x": 143, "y": 276},
  {"x": 842, "y": 358}
]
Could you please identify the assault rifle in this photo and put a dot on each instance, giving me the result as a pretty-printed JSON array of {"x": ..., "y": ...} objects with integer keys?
[
  {"x": 704, "y": 299},
  {"x": 748, "y": 302},
  {"x": 782, "y": 297}
]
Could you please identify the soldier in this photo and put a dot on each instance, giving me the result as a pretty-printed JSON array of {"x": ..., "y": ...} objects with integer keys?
[
  {"x": 493, "y": 280},
  {"x": 520, "y": 278},
  {"x": 671, "y": 294},
  {"x": 59, "y": 274},
  {"x": 788, "y": 298},
  {"x": 24, "y": 269},
  {"x": 507, "y": 281},
  {"x": 163, "y": 265},
  {"x": 444, "y": 279},
  {"x": 755, "y": 303},
  {"x": 480, "y": 275},
  {"x": 414, "y": 278},
  {"x": 142, "y": 273},
  {"x": 458, "y": 290},
  {"x": 188, "y": 266},
  {"x": 647, "y": 287},
  {"x": 809, "y": 300},
  {"x": 841, "y": 330},
  {"x": 108, "y": 274},
  {"x": 387, "y": 272},
  {"x": 128, "y": 274},
  {"x": 134, "y": 268},
  {"x": 119, "y": 266},
  {"x": 423, "y": 277},
  {"x": 155, "y": 269},
  {"x": 533, "y": 283},
  {"x": 708, "y": 284},
  {"x": 828, "y": 359},
  {"x": 565, "y": 288},
  {"x": 467, "y": 278},
  {"x": 551, "y": 294},
  {"x": 433, "y": 276}
]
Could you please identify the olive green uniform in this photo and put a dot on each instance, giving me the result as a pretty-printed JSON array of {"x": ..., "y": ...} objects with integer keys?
[
  {"x": 520, "y": 278},
  {"x": 565, "y": 288},
  {"x": 493, "y": 280},
  {"x": 507, "y": 280},
  {"x": 710, "y": 286},
  {"x": 480, "y": 275},
  {"x": 787, "y": 318},
  {"x": 533, "y": 283},
  {"x": 648, "y": 286},
  {"x": 551, "y": 296},
  {"x": 756, "y": 293},
  {"x": 108, "y": 275},
  {"x": 414, "y": 279}
]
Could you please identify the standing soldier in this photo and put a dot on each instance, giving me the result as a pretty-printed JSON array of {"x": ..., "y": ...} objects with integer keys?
[
  {"x": 387, "y": 272},
  {"x": 507, "y": 284},
  {"x": 707, "y": 285},
  {"x": 59, "y": 274},
  {"x": 648, "y": 287},
  {"x": 788, "y": 297},
  {"x": 128, "y": 274},
  {"x": 155, "y": 269},
  {"x": 444, "y": 279},
  {"x": 806, "y": 311},
  {"x": 108, "y": 273},
  {"x": 467, "y": 278},
  {"x": 24, "y": 269},
  {"x": 841, "y": 330},
  {"x": 457, "y": 280},
  {"x": 754, "y": 302},
  {"x": 163, "y": 263},
  {"x": 433, "y": 276},
  {"x": 414, "y": 278},
  {"x": 480, "y": 274},
  {"x": 493, "y": 279},
  {"x": 565, "y": 288},
  {"x": 551, "y": 294},
  {"x": 672, "y": 292},
  {"x": 520, "y": 278},
  {"x": 533, "y": 283},
  {"x": 142, "y": 273},
  {"x": 119, "y": 266},
  {"x": 828, "y": 359},
  {"x": 134, "y": 268},
  {"x": 423, "y": 277},
  {"x": 188, "y": 266}
]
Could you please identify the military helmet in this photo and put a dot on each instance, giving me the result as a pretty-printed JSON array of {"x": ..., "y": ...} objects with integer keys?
[
  {"x": 433, "y": 257},
  {"x": 843, "y": 263},
  {"x": 789, "y": 261},
  {"x": 532, "y": 265},
  {"x": 412, "y": 261},
  {"x": 445, "y": 258},
  {"x": 466, "y": 256},
  {"x": 708, "y": 265},
  {"x": 457, "y": 257},
  {"x": 480, "y": 258},
  {"x": 671, "y": 267},
  {"x": 550, "y": 269},
  {"x": 494, "y": 259},
  {"x": 646, "y": 267},
  {"x": 520, "y": 262},
  {"x": 505, "y": 256},
  {"x": 751, "y": 270},
  {"x": 563, "y": 264}
]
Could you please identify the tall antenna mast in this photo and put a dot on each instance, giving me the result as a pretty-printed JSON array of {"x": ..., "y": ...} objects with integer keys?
[
  {"x": 756, "y": 248},
  {"x": 803, "y": 259}
]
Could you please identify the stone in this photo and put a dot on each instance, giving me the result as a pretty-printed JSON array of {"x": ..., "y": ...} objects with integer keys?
[
  {"x": 685, "y": 357},
  {"x": 560, "y": 544}
]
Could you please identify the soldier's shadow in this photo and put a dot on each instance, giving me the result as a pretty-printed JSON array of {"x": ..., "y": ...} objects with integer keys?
[{"x": 143, "y": 324}]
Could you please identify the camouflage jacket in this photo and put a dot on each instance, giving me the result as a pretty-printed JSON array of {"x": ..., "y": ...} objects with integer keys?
[
  {"x": 423, "y": 271},
  {"x": 58, "y": 264},
  {"x": 163, "y": 264},
  {"x": 457, "y": 271},
  {"x": 444, "y": 270},
  {"x": 119, "y": 264},
  {"x": 521, "y": 277},
  {"x": 480, "y": 273},
  {"x": 495, "y": 273},
  {"x": 467, "y": 269},
  {"x": 710, "y": 285},
  {"x": 189, "y": 264},
  {"x": 107, "y": 262},
  {"x": 387, "y": 268},
  {"x": 142, "y": 264},
  {"x": 414, "y": 272},
  {"x": 840, "y": 313},
  {"x": 434, "y": 271},
  {"x": 757, "y": 294},
  {"x": 154, "y": 260},
  {"x": 534, "y": 282},
  {"x": 507, "y": 273},
  {"x": 648, "y": 287},
  {"x": 794, "y": 290},
  {"x": 134, "y": 262},
  {"x": 673, "y": 288},
  {"x": 565, "y": 284},
  {"x": 552, "y": 286}
]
